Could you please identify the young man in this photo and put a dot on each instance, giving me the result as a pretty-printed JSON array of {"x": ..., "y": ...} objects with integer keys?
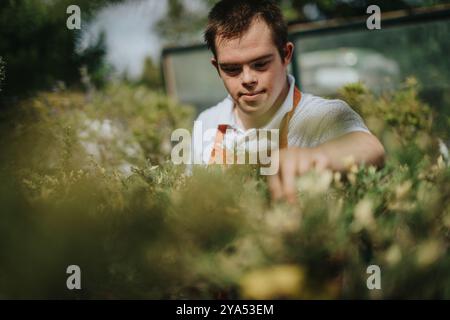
[{"x": 251, "y": 54}]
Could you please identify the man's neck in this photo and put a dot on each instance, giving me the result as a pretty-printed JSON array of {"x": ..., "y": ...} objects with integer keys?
[{"x": 250, "y": 121}]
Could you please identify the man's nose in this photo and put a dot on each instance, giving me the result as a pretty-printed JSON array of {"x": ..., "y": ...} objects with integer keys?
[{"x": 248, "y": 77}]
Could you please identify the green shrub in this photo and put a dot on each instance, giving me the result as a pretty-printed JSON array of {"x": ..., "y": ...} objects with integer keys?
[{"x": 153, "y": 232}]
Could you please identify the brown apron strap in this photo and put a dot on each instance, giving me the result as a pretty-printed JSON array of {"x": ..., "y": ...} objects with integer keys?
[
  {"x": 217, "y": 148},
  {"x": 284, "y": 126}
]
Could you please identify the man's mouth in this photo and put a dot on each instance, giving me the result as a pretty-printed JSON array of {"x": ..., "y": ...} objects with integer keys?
[{"x": 251, "y": 94}]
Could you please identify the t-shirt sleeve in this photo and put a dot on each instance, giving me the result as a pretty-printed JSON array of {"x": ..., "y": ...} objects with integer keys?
[{"x": 338, "y": 119}]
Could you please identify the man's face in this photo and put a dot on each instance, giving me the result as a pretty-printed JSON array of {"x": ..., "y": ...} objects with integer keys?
[{"x": 251, "y": 68}]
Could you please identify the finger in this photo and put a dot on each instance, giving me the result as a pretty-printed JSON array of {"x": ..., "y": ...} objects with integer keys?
[
  {"x": 321, "y": 163},
  {"x": 303, "y": 163},
  {"x": 288, "y": 169}
]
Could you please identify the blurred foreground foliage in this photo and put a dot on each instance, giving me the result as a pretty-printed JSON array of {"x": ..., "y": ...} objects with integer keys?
[{"x": 86, "y": 180}]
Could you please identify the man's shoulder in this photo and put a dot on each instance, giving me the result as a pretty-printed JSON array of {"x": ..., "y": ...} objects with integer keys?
[
  {"x": 319, "y": 107},
  {"x": 317, "y": 103},
  {"x": 317, "y": 119}
]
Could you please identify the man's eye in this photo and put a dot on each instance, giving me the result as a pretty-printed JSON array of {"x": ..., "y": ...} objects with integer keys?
[
  {"x": 261, "y": 65},
  {"x": 231, "y": 71}
]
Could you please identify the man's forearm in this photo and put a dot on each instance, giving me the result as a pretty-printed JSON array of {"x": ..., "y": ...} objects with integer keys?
[{"x": 361, "y": 146}]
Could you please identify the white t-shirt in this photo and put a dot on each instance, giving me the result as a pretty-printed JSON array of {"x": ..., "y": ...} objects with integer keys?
[{"x": 315, "y": 121}]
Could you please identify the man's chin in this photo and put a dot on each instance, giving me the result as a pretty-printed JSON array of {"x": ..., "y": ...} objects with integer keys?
[{"x": 252, "y": 108}]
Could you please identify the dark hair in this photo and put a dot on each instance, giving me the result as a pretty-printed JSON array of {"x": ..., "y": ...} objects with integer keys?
[{"x": 231, "y": 18}]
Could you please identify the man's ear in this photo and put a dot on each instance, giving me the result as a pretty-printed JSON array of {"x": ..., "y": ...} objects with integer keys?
[
  {"x": 215, "y": 64},
  {"x": 289, "y": 51}
]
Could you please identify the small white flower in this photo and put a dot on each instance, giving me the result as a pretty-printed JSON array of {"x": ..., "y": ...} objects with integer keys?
[{"x": 363, "y": 215}]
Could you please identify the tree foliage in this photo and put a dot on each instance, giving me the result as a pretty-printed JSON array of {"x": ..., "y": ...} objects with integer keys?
[{"x": 39, "y": 50}]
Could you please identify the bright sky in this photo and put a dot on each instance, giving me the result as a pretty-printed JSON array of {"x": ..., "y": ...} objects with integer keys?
[
  {"x": 129, "y": 32},
  {"x": 129, "y": 36}
]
